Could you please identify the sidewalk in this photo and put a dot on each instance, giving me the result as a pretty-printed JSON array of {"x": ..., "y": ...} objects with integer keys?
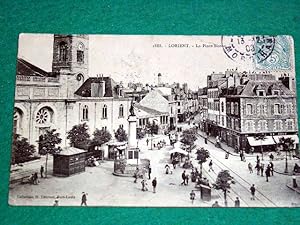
[{"x": 19, "y": 172}]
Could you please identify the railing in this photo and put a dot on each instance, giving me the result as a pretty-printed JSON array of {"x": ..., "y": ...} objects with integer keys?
[{"x": 37, "y": 79}]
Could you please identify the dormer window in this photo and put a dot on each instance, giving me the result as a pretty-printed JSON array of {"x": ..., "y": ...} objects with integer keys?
[
  {"x": 261, "y": 93},
  {"x": 275, "y": 92}
]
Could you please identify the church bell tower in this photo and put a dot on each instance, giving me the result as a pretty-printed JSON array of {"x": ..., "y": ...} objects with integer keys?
[{"x": 70, "y": 61}]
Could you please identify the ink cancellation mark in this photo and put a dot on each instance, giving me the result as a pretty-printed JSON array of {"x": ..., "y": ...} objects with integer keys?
[
  {"x": 248, "y": 48},
  {"x": 280, "y": 58}
]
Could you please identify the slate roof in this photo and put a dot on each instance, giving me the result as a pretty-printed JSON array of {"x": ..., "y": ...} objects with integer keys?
[
  {"x": 267, "y": 86},
  {"x": 110, "y": 87},
  {"x": 27, "y": 69}
]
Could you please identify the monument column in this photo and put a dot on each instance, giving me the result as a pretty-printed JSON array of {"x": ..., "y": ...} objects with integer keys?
[{"x": 132, "y": 143}]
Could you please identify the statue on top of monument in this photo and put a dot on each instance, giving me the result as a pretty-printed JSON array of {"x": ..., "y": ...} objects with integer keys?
[{"x": 131, "y": 110}]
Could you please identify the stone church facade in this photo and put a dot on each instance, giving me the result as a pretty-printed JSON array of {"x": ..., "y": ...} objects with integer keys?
[{"x": 66, "y": 96}]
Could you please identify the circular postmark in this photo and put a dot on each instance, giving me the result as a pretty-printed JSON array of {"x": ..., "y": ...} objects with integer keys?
[{"x": 248, "y": 48}]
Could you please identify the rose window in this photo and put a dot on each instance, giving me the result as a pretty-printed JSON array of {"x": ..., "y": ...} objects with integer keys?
[{"x": 43, "y": 116}]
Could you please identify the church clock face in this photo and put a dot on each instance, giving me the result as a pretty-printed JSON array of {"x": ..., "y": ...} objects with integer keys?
[{"x": 80, "y": 47}]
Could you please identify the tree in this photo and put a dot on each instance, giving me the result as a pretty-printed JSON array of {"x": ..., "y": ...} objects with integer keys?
[
  {"x": 188, "y": 137},
  {"x": 121, "y": 135},
  {"x": 100, "y": 137},
  {"x": 202, "y": 156},
  {"x": 140, "y": 133},
  {"x": 79, "y": 136},
  {"x": 287, "y": 145},
  {"x": 48, "y": 144},
  {"x": 223, "y": 183},
  {"x": 22, "y": 151}
]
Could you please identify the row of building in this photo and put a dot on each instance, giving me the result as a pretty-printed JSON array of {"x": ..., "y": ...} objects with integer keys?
[
  {"x": 68, "y": 96},
  {"x": 249, "y": 109}
]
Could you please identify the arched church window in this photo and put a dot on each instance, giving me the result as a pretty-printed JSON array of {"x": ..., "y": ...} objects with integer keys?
[
  {"x": 43, "y": 116},
  {"x": 121, "y": 111},
  {"x": 104, "y": 112},
  {"x": 63, "y": 51},
  {"x": 80, "y": 53},
  {"x": 85, "y": 113},
  {"x": 17, "y": 120}
]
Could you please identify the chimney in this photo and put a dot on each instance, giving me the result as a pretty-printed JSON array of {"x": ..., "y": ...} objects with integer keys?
[
  {"x": 101, "y": 87},
  {"x": 159, "y": 79}
]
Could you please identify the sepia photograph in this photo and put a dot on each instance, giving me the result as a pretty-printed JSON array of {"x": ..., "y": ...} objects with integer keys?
[{"x": 155, "y": 121}]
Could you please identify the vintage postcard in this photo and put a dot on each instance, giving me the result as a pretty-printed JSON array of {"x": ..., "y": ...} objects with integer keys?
[{"x": 155, "y": 121}]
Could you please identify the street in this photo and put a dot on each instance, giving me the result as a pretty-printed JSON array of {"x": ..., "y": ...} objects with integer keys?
[{"x": 105, "y": 189}]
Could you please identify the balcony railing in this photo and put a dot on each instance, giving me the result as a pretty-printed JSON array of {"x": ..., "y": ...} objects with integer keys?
[{"x": 37, "y": 79}]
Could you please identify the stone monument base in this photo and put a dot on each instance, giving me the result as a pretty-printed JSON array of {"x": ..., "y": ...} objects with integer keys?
[{"x": 121, "y": 168}]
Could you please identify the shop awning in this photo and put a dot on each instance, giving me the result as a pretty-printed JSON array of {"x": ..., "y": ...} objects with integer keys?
[
  {"x": 293, "y": 136},
  {"x": 268, "y": 140}
]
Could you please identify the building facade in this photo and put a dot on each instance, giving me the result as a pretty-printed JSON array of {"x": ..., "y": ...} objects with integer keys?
[{"x": 66, "y": 96}]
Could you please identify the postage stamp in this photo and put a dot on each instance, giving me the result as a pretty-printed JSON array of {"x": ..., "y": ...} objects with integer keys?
[{"x": 155, "y": 121}]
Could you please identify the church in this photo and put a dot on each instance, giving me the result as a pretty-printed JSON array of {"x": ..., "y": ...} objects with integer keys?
[{"x": 67, "y": 95}]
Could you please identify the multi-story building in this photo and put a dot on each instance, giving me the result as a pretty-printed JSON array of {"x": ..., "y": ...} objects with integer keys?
[
  {"x": 66, "y": 96},
  {"x": 252, "y": 105}
]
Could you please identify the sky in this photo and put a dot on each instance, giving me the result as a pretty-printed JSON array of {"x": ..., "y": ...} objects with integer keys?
[{"x": 136, "y": 59}]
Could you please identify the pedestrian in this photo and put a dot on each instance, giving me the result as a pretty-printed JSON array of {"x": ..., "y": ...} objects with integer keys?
[
  {"x": 154, "y": 183},
  {"x": 135, "y": 175},
  {"x": 237, "y": 202},
  {"x": 144, "y": 185},
  {"x": 271, "y": 157},
  {"x": 272, "y": 168},
  {"x": 187, "y": 179},
  {"x": 268, "y": 173},
  {"x": 35, "y": 178},
  {"x": 183, "y": 178},
  {"x": 216, "y": 205},
  {"x": 252, "y": 189},
  {"x": 250, "y": 167},
  {"x": 257, "y": 159},
  {"x": 167, "y": 167},
  {"x": 147, "y": 141},
  {"x": 257, "y": 167},
  {"x": 83, "y": 199},
  {"x": 242, "y": 155},
  {"x": 262, "y": 169},
  {"x": 149, "y": 172},
  {"x": 42, "y": 171},
  {"x": 192, "y": 196},
  {"x": 55, "y": 203},
  {"x": 210, "y": 166}
]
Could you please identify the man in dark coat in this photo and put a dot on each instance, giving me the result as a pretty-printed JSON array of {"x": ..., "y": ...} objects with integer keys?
[
  {"x": 237, "y": 202},
  {"x": 272, "y": 168},
  {"x": 252, "y": 189},
  {"x": 149, "y": 172},
  {"x": 42, "y": 171},
  {"x": 183, "y": 178},
  {"x": 268, "y": 173},
  {"x": 83, "y": 199},
  {"x": 154, "y": 183}
]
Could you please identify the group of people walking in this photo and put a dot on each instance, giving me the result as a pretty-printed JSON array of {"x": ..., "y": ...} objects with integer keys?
[{"x": 260, "y": 168}]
